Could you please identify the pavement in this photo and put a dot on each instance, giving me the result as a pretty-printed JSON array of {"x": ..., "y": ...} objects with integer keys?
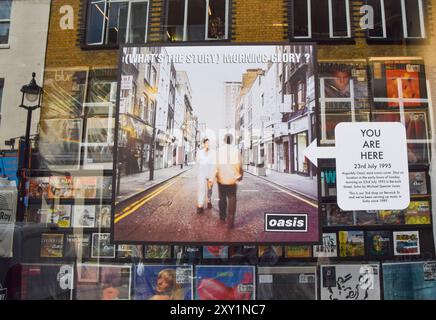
[
  {"x": 302, "y": 185},
  {"x": 167, "y": 213},
  {"x": 135, "y": 184}
]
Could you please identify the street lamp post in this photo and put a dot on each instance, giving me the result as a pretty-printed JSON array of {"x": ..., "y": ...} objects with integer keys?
[{"x": 30, "y": 101}]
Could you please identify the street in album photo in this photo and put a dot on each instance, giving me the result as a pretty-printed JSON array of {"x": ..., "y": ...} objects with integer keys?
[{"x": 207, "y": 150}]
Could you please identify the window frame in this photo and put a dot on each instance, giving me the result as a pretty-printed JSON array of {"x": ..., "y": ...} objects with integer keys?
[
  {"x": 348, "y": 19},
  {"x": 103, "y": 38},
  {"x": 421, "y": 20},
  {"x": 309, "y": 21},
  {"x": 7, "y": 21},
  {"x": 2, "y": 87},
  {"x": 206, "y": 24},
  {"x": 383, "y": 17}
]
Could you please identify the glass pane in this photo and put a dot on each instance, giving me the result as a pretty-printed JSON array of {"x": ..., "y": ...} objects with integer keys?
[
  {"x": 138, "y": 22},
  {"x": 217, "y": 19},
  {"x": 413, "y": 19},
  {"x": 96, "y": 20},
  {"x": 4, "y": 32},
  {"x": 175, "y": 20},
  {"x": 196, "y": 20},
  {"x": 300, "y": 18},
  {"x": 377, "y": 30},
  {"x": 339, "y": 16},
  {"x": 117, "y": 23},
  {"x": 394, "y": 24},
  {"x": 320, "y": 18},
  {"x": 5, "y": 9}
]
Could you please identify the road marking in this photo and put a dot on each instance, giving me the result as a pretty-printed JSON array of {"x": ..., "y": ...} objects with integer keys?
[
  {"x": 132, "y": 208},
  {"x": 248, "y": 190},
  {"x": 295, "y": 196}
]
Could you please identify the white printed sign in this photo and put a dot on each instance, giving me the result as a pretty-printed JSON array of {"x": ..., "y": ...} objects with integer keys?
[{"x": 371, "y": 166}]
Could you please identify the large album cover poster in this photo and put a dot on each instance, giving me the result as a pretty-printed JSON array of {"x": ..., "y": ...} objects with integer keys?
[
  {"x": 350, "y": 282},
  {"x": 162, "y": 282},
  {"x": 200, "y": 120},
  {"x": 286, "y": 283},
  {"x": 47, "y": 281},
  {"x": 224, "y": 283},
  {"x": 103, "y": 281},
  {"x": 409, "y": 280}
]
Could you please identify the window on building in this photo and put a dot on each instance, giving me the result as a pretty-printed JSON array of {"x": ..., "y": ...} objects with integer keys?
[
  {"x": 378, "y": 29},
  {"x": 5, "y": 20},
  {"x": 194, "y": 20},
  {"x": 339, "y": 19},
  {"x": 116, "y": 21},
  {"x": 301, "y": 95},
  {"x": 301, "y": 19},
  {"x": 2, "y": 81},
  {"x": 413, "y": 19}
]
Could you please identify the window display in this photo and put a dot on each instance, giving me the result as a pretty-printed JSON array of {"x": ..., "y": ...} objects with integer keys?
[{"x": 171, "y": 153}]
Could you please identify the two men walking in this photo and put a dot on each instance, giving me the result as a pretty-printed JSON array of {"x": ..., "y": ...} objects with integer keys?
[{"x": 227, "y": 170}]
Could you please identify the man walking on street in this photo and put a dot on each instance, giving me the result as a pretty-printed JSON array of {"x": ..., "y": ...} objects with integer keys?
[
  {"x": 228, "y": 173},
  {"x": 206, "y": 167}
]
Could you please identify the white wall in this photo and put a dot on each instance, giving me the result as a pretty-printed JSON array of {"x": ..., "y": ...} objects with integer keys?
[{"x": 24, "y": 54}]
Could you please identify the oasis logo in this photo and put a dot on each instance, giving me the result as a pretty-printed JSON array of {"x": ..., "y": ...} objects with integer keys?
[{"x": 285, "y": 222}]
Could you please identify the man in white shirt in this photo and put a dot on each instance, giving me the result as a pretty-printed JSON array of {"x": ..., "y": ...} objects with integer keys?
[
  {"x": 228, "y": 174},
  {"x": 206, "y": 161}
]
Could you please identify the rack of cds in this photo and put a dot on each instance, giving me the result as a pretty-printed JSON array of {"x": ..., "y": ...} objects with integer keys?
[{"x": 64, "y": 249}]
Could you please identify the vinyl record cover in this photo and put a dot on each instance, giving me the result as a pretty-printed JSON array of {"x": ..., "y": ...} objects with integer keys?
[
  {"x": 186, "y": 252},
  {"x": 406, "y": 243},
  {"x": 394, "y": 217},
  {"x": 127, "y": 251},
  {"x": 378, "y": 243},
  {"x": 102, "y": 246},
  {"x": 83, "y": 216},
  {"x": 367, "y": 218},
  {"x": 157, "y": 252},
  {"x": 103, "y": 282},
  {"x": 224, "y": 283},
  {"x": 418, "y": 182},
  {"x": 409, "y": 280},
  {"x": 85, "y": 187},
  {"x": 351, "y": 243},
  {"x": 286, "y": 283},
  {"x": 328, "y": 182},
  {"x": 328, "y": 248},
  {"x": 52, "y": 245},
  {"x": 162, "y": 282},
  {"x": 298, "y": 251},
  {"x": 209, "y": 146},
  {"x": 39, "y": 187},
  {"x": 47, "y": 281},
  {"x": 60, "y": 187},
  {"x": 243, "y": 253},
  {"x": 77, "y": 246},
  {"x": 61, "y": 214},
  {"x": 103, "y": 216},
  {"x": 338, "y": 217},
  {"x": 215, "y": 252},
  {"x": 418, "y": 212},
  {"x": 350, "y": 282},
  {"x": 270, "y": 252}
]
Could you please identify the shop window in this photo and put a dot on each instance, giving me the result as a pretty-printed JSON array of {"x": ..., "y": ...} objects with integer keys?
[
  {"x": 196, "y": 20},
  {"x": 301, "y": 19},
  {"x": 378, "y": 29},
  {"x": 5, "y": 20},
  {"x": 112, "y": 22}
]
